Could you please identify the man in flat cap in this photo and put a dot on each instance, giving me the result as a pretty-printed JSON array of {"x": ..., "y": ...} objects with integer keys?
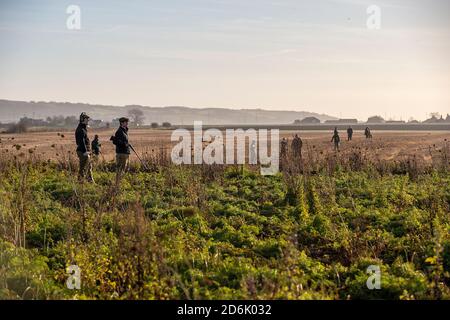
[
  {"x": 84, "y": 149},
  {"x": 120, "y": 139}
]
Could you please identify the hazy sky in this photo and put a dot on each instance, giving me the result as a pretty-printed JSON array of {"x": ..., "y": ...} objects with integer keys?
[{"x": 274, "y": 54}]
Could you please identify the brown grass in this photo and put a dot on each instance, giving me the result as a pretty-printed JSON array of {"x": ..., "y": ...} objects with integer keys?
[{"x": 388, "y": 151}]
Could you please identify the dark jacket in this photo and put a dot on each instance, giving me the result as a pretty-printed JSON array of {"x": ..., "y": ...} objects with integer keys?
[
  {"x": 121, "y": 141},
  {"x": 96, "y": 146},
  {"x": 336, "y": 139},
  {"x": 82, "y": 139},
  {"x": 297, "y": 143}
]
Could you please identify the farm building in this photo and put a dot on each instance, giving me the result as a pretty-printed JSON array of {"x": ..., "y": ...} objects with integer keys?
[
  {"x": 375, "y": 119},
  {"x": 308, "y": 120}
]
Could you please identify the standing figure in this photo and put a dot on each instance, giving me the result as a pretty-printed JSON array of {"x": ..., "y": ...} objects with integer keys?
[
  {"x": 297, "y": 145},
  {"x": 367, "y": 133},
  {"x": 283, "y": 148},
  {"x": 349, "y": 134},
  {"x": 120, "y": 139},
  {"x": 336, "y": 139},
  {"x": 96, "y": 145},
  {"x": 83, "y": 149}
]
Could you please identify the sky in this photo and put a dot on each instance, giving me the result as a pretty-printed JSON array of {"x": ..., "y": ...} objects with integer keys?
[{"x": 316, "y": 56}]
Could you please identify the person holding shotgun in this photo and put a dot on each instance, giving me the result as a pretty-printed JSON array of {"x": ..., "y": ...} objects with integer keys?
[
  {"x": 84, "y": 149},
  {"x": 123, "y": 147}
]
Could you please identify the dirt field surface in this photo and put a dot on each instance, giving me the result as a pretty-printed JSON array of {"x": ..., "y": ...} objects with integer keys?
[{"x": 389, "y": 145}]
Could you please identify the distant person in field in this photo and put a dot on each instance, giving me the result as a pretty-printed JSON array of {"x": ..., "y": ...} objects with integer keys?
[
  {"x": 96, "y": 145},
  {"x": 367, "y": 133},
  {"x": 349, "y": 134},
  {"x": 283, "y": 148},
  {"x": 84, "y": 149},
  {"x": 297, "y": 145},
  {"x": 123, "y": 150},
  {"x": 336, "y": 139}
]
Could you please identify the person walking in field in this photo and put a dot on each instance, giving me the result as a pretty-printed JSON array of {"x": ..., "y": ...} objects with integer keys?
[
  {"x": 83, "y": 149},
  {"x": 297, "y": 145},
  {"x": 367, "y": 133},
  {"x": 349, "y": 134},
  {"x": 336, "y": 139},
  {"x": 120, "y": 140}
]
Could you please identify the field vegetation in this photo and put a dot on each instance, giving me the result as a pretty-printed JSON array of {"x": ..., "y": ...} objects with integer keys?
[{"x": 226, "y": 232}]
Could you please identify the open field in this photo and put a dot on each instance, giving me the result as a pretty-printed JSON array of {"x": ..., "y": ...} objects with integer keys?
[
  {"x": 387, "y": 145},
  {"x": 226, "y": 232}
]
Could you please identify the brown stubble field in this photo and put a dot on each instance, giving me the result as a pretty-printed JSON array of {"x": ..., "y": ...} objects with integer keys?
[{"x": 386, "y": 145}]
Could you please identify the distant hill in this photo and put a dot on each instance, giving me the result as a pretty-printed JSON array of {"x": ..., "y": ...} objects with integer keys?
[{"x": 12, "y": 111}]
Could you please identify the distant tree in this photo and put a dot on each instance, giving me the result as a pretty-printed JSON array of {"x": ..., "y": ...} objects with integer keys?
[
  {"x": 166, "y": 124},
  {"x": 436, "y": 115},
  {"x": 154, "y": 125},
  {"x": 70, "y": 121},
  {"x": 136, "y": 116},
  {"x": 25, "y": 121},
  {"x": 19, "y": 127},
  {"x": 56, "y": 121}
]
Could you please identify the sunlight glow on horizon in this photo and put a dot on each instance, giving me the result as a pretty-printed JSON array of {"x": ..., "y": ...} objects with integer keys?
[{"x": 277, "y": 55}]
